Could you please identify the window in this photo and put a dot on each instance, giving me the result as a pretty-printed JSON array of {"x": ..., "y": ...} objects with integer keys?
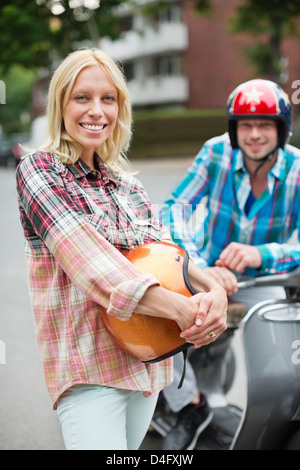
[
  {"x": 171, "y": 14},
  {"x": 129, "y": 71},
  {"x": 168, "y": 65}
]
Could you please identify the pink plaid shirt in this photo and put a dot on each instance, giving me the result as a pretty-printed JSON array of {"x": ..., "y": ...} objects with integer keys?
[{"x": 76, "y": 221}]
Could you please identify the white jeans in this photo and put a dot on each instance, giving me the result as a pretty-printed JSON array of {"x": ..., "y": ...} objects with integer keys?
[{"x": 94, "y": 417}]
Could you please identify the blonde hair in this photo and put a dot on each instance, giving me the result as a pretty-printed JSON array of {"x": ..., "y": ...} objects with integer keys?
[{"x": 57, "y": 140}]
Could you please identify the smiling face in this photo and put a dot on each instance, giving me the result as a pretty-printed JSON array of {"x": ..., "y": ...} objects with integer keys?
[
  {"x": 257, "y": 137},
  {"x": 92, "y": 110}
]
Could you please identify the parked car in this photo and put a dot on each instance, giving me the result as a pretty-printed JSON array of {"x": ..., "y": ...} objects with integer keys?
[
  {"x": 17, "y": 143},
  {"x": 7, "y": 157},
  {"x": 15, "y": 146},
  {"x": 23, "y": 144}
]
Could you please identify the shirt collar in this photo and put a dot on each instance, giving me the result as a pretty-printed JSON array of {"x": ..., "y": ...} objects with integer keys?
[
  {"x": 278, "y": 170},
  {"x": 80, "y": 169},
  {"x": 238, "y": 161}
]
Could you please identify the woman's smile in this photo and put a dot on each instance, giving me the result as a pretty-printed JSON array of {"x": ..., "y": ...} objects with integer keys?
[{"x": 93, "y": 127}]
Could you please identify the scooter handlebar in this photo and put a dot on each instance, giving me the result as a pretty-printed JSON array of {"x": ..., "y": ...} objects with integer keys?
[{"x": 289, "y": 279}]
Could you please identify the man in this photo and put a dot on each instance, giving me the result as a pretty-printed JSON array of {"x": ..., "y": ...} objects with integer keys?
[{"x": 244, "y": 188}]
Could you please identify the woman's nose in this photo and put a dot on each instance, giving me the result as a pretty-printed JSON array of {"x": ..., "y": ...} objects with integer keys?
[{"x": 95, "y": 108}]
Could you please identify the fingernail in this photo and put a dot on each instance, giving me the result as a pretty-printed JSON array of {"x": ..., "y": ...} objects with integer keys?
[{"x": 198, "y": 321}]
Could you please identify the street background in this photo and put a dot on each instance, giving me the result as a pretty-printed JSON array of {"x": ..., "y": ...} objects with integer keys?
[
  {"x": 27, "y": 421},
  {"x": 181, "y": 60}
]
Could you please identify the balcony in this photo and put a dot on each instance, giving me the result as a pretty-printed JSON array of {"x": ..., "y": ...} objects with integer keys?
[
  {"x": 168, "y": 37},
  {"x": 160, "y": 90}
]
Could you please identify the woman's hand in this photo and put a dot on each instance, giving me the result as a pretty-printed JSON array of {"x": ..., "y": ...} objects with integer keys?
[
  {"x": 211, "y": 317},
  {"x": 196, "y": 316},
  {"x": 211, "y": 308}
]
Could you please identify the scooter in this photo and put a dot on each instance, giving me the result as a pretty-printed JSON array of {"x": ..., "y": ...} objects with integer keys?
[{"x": 270, "y": 333}]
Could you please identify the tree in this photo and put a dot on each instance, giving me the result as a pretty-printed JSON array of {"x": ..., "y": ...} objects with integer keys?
[
  {"x": 34, "y": 32},
  {"x": 268, "y": 22},
  {"x": 15, "y": 114}
]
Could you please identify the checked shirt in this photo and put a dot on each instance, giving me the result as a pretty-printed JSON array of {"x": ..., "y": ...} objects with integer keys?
[
  {"x": 206, "y": 211},
  {"x": 76, "y": 221}
]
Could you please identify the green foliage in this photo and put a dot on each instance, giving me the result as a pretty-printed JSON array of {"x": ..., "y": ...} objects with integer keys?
[
  {"x": 13, "y": 114},
  {"x": 265, "y": 62},
  {"x": 272, "y": 17},
  {"x": 24, "y": 33},
  {"x": 174, "y": 133},
  {"x": 152, "y": 9},
  {"x": 269, "y": 22},
  {"x": 32, "y": 35},
  {"x": 203, "y": 6}
]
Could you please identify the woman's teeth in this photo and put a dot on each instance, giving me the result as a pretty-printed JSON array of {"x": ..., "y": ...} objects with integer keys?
[{"x": 93, "y": 127}]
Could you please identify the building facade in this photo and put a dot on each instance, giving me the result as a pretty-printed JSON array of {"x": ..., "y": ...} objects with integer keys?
[
  {"x": 176, "y": 57},
  {"x": 152, "y": 50}
]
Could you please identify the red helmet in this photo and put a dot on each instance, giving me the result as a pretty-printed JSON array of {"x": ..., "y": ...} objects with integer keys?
[{"x": 259, "y": 99}]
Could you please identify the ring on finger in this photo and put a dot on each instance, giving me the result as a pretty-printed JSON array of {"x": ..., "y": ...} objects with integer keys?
[{"x": 212, "y": 335}]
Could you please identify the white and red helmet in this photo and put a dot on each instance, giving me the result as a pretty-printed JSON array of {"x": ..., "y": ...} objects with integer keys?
[{"x": 259, "y": 99}]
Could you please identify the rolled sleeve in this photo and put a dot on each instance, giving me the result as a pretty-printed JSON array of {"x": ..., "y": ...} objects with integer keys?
[{"x": 125, "y": 297}]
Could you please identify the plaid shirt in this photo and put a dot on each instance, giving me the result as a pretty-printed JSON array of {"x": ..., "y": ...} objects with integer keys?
[
  {"x": 207, "y": 209},
  {"x": 75, "y": 221}
]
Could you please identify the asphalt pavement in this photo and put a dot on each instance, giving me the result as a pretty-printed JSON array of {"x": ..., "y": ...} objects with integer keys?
[{"x": 26, "y": 416}]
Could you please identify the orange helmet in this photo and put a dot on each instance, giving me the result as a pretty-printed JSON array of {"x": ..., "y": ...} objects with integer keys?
[{"x": 145, "y": 337}]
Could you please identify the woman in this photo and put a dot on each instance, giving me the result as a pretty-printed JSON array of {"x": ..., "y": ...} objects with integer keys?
[{"x": 79, "y": 209}]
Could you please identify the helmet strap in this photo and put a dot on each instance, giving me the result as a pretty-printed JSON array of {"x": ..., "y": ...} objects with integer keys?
[{"x": 262, "y": 160}]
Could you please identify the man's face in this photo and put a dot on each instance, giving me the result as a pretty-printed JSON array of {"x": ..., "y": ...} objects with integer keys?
[{"x": 257, "y": 137}]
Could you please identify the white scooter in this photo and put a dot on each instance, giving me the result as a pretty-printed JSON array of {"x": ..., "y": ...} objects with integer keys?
[{"x": 270, "y": 335}]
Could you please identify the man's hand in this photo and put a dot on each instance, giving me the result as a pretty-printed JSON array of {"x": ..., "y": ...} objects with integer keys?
[
  {"x": 224, "y": 277},
  {"x": 238, "y": 257}
]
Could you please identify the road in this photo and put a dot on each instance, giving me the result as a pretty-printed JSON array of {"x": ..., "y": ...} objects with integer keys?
[{"x": 26, "y": 416}]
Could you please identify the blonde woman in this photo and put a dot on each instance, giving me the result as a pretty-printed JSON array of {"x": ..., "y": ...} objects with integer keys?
[{"x": 79, "y": 209}]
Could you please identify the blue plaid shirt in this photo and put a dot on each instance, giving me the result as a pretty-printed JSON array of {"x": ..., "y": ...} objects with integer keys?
[{"x": 207, "y": 209}]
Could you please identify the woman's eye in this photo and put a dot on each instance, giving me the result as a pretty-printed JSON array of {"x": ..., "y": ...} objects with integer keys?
[
  {"x": 81, "y": 98},
  {"x": 110, "y": 98}
]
